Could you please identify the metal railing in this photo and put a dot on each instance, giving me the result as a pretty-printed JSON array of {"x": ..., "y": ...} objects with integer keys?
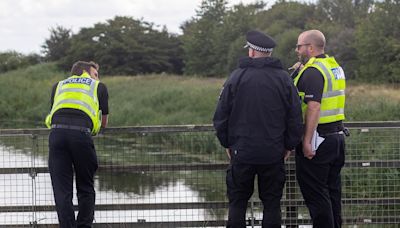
[{"x": 174, "y": 176}]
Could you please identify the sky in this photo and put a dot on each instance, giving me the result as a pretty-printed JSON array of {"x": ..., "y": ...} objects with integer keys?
[{"x": 25, "y": 24}]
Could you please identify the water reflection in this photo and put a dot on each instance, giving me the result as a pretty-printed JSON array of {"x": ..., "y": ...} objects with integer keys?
[
  {"x": 112, "y": 187},
  {"x": 208, "y": 184}
]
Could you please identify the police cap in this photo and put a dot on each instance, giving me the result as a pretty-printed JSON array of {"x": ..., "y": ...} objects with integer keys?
[{"x": 259, "y": 41}]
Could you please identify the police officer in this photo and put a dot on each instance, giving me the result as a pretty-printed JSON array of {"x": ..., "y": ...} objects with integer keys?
[
  {"x": 321, "y": 86},
  {"x": 79, "y": 110},
  {"x": 258, "y": 121}
]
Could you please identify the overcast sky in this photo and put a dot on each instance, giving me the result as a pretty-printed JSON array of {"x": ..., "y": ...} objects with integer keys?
[{"x": 24, "y": 24}]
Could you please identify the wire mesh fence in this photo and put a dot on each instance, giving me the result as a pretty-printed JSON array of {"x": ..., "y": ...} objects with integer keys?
[{"x": 174, "y": 176}]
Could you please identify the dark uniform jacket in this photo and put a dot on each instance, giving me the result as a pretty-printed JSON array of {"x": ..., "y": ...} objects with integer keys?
[{"x": 258, "y": 115}]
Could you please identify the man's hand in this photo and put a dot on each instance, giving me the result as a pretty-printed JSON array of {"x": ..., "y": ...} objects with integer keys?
[
  {"x": 296, "y": 66},
  {"x": 307, "y": 151},
  {"x": 228, "y": 152},
  {"x": 287, "y": 154}
]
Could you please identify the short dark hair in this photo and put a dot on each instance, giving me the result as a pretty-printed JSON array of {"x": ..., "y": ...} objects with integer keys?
[{"x": 80, "y": 66}]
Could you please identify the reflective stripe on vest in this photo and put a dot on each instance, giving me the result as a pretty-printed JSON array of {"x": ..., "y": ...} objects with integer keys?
[
  {"x": 78, "y": 102},
  {"x": 89, "y": 93},
  {"x": 333, "y": 93},
  {"x": 332, "y": 112},
  {"x": 333, "y": 96},
  {"x": 78, "y": 92},
  {"x": 325, "y": 73}
]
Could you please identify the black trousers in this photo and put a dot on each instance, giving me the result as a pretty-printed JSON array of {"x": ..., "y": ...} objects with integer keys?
[
  {"x": 72, "y": 151},
  {"x": 320, "y": 182},
  {"x": 240, "y": 186}
]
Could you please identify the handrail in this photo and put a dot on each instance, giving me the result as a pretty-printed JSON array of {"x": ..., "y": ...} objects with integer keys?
[
  {"x": 203, "y": 166},
  {"x": 196, "y": 205},
  {"x": 188, "y": 128}
]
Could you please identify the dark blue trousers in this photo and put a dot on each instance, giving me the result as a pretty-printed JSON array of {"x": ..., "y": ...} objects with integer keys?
[
  {"x": 72, "y": 151},
  {"x": 320, "y": 182},
  {"x": 240, "y": 186}
]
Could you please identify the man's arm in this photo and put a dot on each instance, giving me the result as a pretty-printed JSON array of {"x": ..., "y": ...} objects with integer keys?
[
  {"x": 103, "y": 104},
  {"x": 312, "y": 118},
  {"x": 313, "y": 85},
  {"x": 53, "y": 91},
  {"x": 104, "y": 121},
  {"x": 221, "y": 116},
  {"x": 294, "y": 120}
]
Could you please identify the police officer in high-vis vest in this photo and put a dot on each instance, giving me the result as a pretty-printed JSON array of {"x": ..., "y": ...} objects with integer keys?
[
  {"x": 79, "y": 110},
  {"x": 320, "y": 157}
]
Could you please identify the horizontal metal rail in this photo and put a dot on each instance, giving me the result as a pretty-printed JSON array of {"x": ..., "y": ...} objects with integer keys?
[
  {"x": 119, "y": 130},
  {"x": 186, "y": 128},
  {"x": 210, "y": 223},
  {"x": 192, "y": 167},
  {"x": 196, "y": 205}
]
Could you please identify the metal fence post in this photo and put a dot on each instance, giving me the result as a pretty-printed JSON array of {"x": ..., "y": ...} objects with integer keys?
[
  {"x": 252, "y": 212},
  {"x": 291, "y": 210},
  {"x": 33, "y": 174}
]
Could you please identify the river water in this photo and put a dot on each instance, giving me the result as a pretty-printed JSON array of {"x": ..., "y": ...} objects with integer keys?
[
  {"x": 22, "y": 190},
  {"x": 183, "y": 186}
]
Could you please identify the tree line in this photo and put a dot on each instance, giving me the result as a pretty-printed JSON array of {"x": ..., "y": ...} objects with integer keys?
[{"x": 364, "y": 35}]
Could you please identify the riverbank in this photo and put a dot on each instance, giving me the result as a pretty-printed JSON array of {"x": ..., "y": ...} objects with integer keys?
[{"x": 161, "y": 99}]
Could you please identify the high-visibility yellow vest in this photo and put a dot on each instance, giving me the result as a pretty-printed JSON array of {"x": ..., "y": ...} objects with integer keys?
[
  {"x": 78, "y": 92},
  {"x": 333, "y": 96}
]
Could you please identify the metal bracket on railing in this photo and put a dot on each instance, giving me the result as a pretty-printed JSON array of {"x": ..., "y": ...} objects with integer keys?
[
  {"x": 252, "y": 221},
  {"x": 34, "y": 136},
  {"x": 35, "y": 149},
  {"x": 33, "y": 224},
  {"x": 33, "y": 173}
]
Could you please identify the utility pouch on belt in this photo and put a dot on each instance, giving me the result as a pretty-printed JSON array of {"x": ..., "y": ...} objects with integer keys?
[{"x": 346, "y": 132}]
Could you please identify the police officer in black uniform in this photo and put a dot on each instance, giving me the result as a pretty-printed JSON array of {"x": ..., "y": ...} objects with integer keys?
[
  {"x": 258, "y": 120},
  {"x": 71, "y": 148}
]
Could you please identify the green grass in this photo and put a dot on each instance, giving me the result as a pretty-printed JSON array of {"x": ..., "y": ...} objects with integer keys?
[
  {"x": 160, "y": 99},
  {"x": 25, "y": 95},
  {"x": 366, "y": 102}
]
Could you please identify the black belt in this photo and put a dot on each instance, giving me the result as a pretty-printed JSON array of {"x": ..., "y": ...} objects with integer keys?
[
  {"x": 64, "y": 126},
  {"x": 345, "y": 132},
  {"x": 332, "y": 133}
]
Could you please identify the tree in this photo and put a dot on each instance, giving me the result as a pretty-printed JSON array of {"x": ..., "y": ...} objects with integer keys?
[
  {"x": 338, "y": 20},
  {"x": 124, "y": 45},
  {"x": 55, "y": 47},
  {"x": 344, "y": 12},
  {"x": 12, "y": 60},
  {"x": 237, "y": 22},
  {"x": 214, "y": 40},
  {"x": 378, "y": 43},
  {"x": 199, "y": 35},
  {"x": 284, "y": 21}
]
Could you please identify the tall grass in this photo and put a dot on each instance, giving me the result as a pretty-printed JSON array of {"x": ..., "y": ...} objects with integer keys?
[
  {"x": 160, "y": 99},
  {"x": 365, "y": 102},
  {"x": 25, "y": 94}
]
